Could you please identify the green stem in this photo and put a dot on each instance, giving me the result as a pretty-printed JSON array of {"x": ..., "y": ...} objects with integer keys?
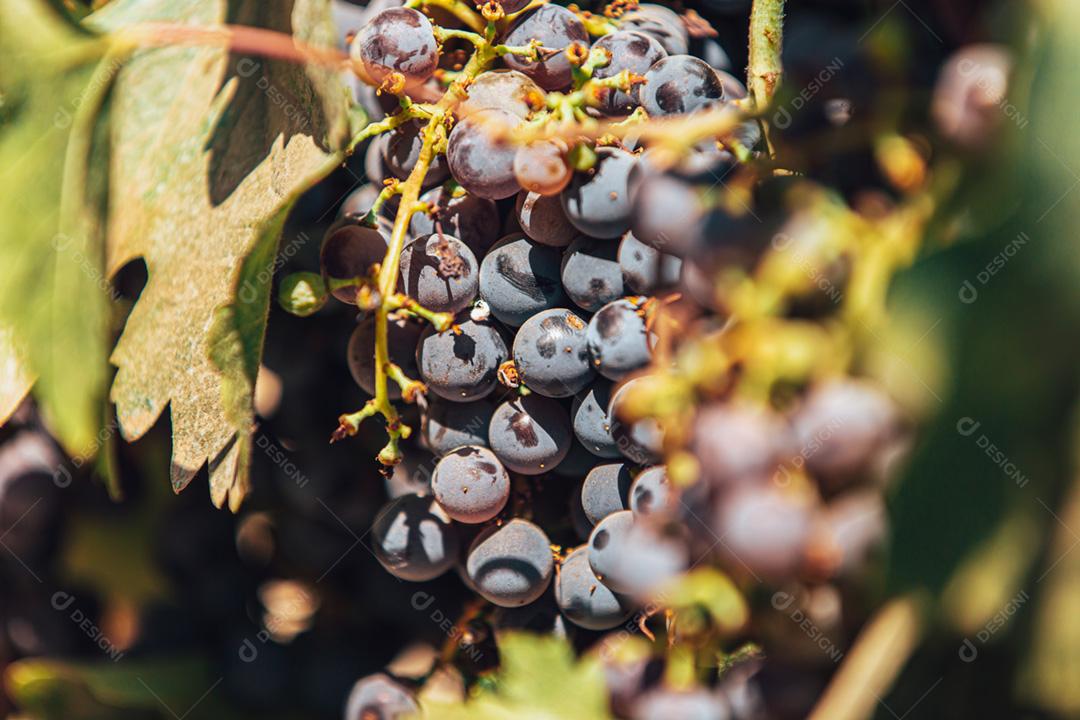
[
  {"x": 457, "y": 8},
  {"x": 766, "y": 40}
]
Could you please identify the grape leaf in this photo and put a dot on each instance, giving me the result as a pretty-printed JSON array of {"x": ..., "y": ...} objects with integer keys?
[
  {"x": 538, "y": 678},
  {"x": 15, "y": 380},
  {"x": 53, "y": 297},
  {"x": 210, "y": 149}
]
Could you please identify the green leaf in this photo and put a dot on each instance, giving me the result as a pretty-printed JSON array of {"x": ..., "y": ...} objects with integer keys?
[
  {"x": 211, "y": 149},
  {"x": 539, "y": 678},
  {"x": 53, "y": 295},
  {"x": 15, "y": 380},
  {"x": 55, "y": 690}
]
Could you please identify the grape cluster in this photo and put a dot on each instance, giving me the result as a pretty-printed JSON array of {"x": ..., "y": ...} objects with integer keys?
[{"x": 556, "y": 269}]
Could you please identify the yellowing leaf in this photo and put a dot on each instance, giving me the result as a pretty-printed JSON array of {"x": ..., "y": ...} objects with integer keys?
[
  {"x": 53, "y": 297},
  {"x": 539, "y": 679},
  {"x": 210, "y": 150}
]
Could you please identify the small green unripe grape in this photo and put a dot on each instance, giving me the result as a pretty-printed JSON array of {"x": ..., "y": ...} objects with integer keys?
[{"x": 302, "y": 293}]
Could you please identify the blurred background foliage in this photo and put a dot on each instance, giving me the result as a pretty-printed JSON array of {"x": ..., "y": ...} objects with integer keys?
[{"x": 275, "y": 611}]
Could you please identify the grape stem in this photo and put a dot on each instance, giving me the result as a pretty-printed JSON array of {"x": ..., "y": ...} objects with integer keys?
[
  {"x": 434, "y": 136},
  {"x": 764, "y": 68}
]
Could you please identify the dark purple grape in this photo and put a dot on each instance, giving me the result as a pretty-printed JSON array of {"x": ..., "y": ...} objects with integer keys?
[
  {"x": 739, "y": 444},
  {"x": 591, "y": 422},
  {"x": 378, "y": 697},
  {"x": 841, "y": 428},
  {"x": 481, "y": 157},
  {"x": 543, "y": 219},
  {"x": 448, "y": 425},
  {"x": 375, "y": 168},
  {"x": 646, "y": 270},
  {"x": 577, "y": 463},
  {"x": 696, "y": 704},
  {"x": 855, "y": 524},
  {"x": 511, "y": 565},
  {"x": 551, "y": 354},
  {"x": 607, "y": 556},
  {"x": 669, "y": 215},
  {"x": 661, "y": 23},
  {"x": 471, "y": 219},
  {"x": 403, "y": 336},
  {"x": 557, "y": 28},
  {"x": 507, "y": 90},
  {"x": 641, "y": 441},
  {"x": 402, "y": 151},
  {"x": 530, "y": 434},
  {"x": 765, "y": 530},
  {"x": 630, "y": 50},
  {"x": 471, "y": 484},
  {"x": 606, "y": 490},
  {"x": 414, "y": 539},
  {"x": 461, "y": 364},
  {"x": 519, "y": 278},
  {"x": 680, "y": 84},
  {"x": 618, "y": 339},
  {"x": 597, "y": 200},
  {"x": 397, "y": 40},
  {"x": 541, "y": 167},
  {"x": 348, "y": 251},
  {"x": 971, "y": 87},
  {"x": 591, "y": 274},
  {"x": 30, "y": 503},
  {"x": 652, "y": 495},
  {"x": 411, "y": 476},
  {"x": 583, "y": 599},
  {"x": 440, "y": 272}
]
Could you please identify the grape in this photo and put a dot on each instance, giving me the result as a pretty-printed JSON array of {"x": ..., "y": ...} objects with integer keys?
[
  {"x": 402, "y": 151},
  {"x": 402, "y": 338},
  {"x": 647, "y": 270},
  {"x": 597, "y": 201},
  {"x": 733, "y": 86},
  {"x": 397, "y": 40},
  {"x": 378, "y": 697},
  {"x": 971, "y": 87},
  {"x": 590, "y": 273},
  {"x": 652, "y": 493},
  {"x": 349, "y": 251},
  {"x": 738, "y": 444},
  {"x": 583, "y": 599},
  {"x": 375, "y": 168},
  {"x": 481, "y": 158},
  {"x": 641, "y": 441},
  {"x": 647, "y": 557},
  {"x": 680, "y": 84},
  {"x": 658, "y": 201},
  {"x": 557, "y": 28},
  {"x": 542, "y": 218},
  {"x": 414, "y": 539},
  {"x": 507, "y": 90},
  {"x": 551, "y": 354},
  {"x": 764, "y": 529},
  {"x": 411, "y": 476},
  {"x": 840, "y": 429},
  {"x": 695, "y": 704},
  {"x": 633, "y": 51},
  {"x": 519, "y": 278},
  {"x": 591, "y": 422},
  {"x": 618, "y": 339},
  {"x": 580, "y": 521},
  {"x": 605, "y": 547},
  {"x": 855, "y": 524},
  {"x": 577, "y": 463},
  {"x": 439, "y": 272},
  {"x": 448, "y": 425},
  {"x": 606, "y": 490},
  {"x": 471, "y": 219},
  {"x": 661, "y": 23},
  {"x": 471, "y": 484},
  {"x": 30, "y": 504},
  {"x": 541, "y": 167},
  {"x": 509, "y": 7},
  {"x": 713, "y": 53},
  {"x": 511, "y": 565},
  {"x": 530, "y": 434},
  {"x": 461, "y": 364}
]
